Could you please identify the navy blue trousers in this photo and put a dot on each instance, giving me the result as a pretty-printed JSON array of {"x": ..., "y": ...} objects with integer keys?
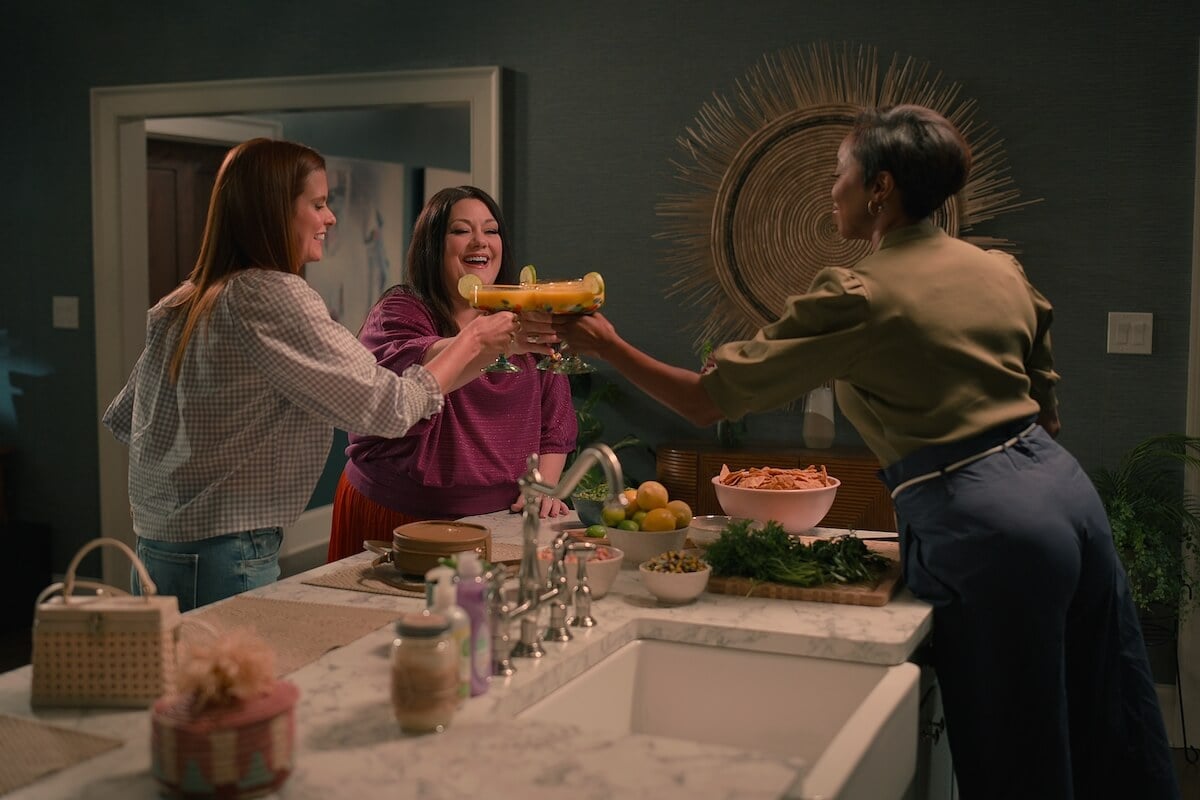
[{"x": 1045, "y": 681}]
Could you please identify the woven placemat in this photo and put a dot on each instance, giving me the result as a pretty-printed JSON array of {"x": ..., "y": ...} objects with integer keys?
[
  {"x": 360, "y": 576},
  {"x": 298, "y": 632},
  {"x": 30, "y": 749}
]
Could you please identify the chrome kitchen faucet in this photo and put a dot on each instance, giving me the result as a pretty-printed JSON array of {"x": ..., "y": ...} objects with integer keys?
[{"x": 532, "y": 590}]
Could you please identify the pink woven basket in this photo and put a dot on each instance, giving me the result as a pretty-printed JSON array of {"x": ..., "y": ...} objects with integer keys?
[{"x": 239, "y": 752}]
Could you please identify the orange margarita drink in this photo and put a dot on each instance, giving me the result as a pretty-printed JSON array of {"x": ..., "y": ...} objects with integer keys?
[{"x": 498, "y": 297}]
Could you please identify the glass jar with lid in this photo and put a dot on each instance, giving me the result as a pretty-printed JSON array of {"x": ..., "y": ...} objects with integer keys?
[{"x": 424, "y": 673}]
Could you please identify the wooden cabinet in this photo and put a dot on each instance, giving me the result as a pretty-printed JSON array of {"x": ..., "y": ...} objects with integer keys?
[{"x": 687, "y": 469}]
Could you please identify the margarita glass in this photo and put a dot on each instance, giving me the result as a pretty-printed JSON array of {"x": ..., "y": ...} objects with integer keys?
[
  {"x": 497, "y": 297},
  {"x": 580, "y": 296}
]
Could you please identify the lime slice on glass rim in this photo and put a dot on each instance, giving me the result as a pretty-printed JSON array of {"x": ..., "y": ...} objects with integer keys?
[
  {"x": 467, "y": 284},
  {"x": 528, "y": 275},
  {"x": 594, "y": 282}
]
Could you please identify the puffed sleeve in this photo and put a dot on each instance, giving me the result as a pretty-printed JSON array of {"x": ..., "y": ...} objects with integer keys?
[
  {"x": 1039, "y": 364},
  {"x": 118, "y": 417},
  {"x": 814, "y": 340},
  {"x": 398, "y": 331},
  {"x": 317, "y": 364}
]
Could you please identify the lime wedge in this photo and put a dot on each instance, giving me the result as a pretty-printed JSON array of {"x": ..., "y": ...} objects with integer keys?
[
  {"x": 594, "y": 281},
  {"x": 528, "y": 274},
  {"x": 467, "y": 284}
]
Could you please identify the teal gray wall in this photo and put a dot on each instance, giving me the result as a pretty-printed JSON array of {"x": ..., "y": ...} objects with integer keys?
[{"x": 1095, "y": 101}]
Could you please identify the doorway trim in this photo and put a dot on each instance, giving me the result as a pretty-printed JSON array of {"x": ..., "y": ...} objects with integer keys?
[
  {"x": 120, "y": 261},
  {"x": 1189, "y": 630}
]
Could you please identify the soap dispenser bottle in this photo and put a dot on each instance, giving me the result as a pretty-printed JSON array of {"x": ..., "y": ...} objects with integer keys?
[
  {"x": 472, "y": 597},
  {"x": 443, "y": 600}
]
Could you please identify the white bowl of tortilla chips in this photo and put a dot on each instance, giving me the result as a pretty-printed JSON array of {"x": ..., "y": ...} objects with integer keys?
[{"x": 798, "y": 499}]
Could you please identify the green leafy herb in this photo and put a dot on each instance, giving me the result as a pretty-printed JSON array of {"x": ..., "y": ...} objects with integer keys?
[{"x": 769, "y": 554}]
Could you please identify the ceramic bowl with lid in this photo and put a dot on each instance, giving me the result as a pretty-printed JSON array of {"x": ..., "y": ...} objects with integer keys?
[{"x": 417, "y": 546}]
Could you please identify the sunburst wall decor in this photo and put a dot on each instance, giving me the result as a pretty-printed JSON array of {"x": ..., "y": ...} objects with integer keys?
[{"x": 754, "y": 224}]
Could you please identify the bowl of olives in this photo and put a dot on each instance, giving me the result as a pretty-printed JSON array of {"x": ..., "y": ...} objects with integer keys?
[{"x": 676, "y": 576}]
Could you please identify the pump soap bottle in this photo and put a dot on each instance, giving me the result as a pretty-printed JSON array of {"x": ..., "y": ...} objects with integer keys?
[
  {"x": 442, "y": 600},
  {"x": 472, "y": 597}
]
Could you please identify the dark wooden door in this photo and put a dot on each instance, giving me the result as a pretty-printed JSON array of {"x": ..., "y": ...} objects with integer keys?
[{"x": 179, "y": 182}]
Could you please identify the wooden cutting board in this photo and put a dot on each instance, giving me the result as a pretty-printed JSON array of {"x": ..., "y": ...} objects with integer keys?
[{"x": 857, "y": 594}]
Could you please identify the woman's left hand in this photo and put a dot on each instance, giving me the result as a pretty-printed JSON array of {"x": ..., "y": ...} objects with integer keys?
[
  {"x": 535, "y": 335},
  {"x": 550, "y": 507}
]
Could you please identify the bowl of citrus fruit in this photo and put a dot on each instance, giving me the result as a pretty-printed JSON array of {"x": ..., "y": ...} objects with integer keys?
[{"x": 649, "y": 524}]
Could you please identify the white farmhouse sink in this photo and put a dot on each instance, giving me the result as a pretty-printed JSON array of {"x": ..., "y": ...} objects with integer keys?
[{"x": 854, "y": 724}]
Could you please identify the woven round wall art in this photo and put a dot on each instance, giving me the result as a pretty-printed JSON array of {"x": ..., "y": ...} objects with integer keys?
[{"x": 754, "y": 225}]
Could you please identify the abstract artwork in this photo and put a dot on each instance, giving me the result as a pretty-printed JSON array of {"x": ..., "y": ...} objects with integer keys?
[{"x": 364, "y": 251}]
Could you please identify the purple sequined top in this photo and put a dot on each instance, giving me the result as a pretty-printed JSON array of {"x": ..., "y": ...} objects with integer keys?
[{"x": 467, "y": 459}]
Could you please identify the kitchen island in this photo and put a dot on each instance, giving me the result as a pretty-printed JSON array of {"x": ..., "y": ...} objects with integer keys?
[{"x": 348, "y": 743}]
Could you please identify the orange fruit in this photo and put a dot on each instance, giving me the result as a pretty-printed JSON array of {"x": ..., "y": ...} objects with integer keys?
[
  {"x": 631, "y": 498},
  {"x": 682, "y": 512},
  {"x": 651, "y": 495},
  {"x": 659, "y": 519}
]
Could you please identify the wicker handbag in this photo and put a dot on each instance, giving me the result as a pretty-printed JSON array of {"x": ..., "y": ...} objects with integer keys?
[{"x": 107, "y": 648}]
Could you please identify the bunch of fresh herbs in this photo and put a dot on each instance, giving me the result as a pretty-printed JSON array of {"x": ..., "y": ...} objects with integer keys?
[{"x": 768, "y": 554}]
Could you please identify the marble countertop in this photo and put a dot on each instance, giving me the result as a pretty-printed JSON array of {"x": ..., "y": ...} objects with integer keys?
[{"x": 348, "y": 742}]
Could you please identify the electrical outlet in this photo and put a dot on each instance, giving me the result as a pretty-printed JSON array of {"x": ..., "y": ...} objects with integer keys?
[{"x": 1130, "y": 332}]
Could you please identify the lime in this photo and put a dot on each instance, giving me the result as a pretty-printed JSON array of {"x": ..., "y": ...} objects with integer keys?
[
  {"x": 637, "y": 517},
  {"x": 612, "y": 515},
  {"x": 594, "y": 282},
  {"x": 598, "y": 531},
  {"x": 467, "y": 284},
  {"x": 628, "y": 525},
  {"x": 528, "y": 274}
]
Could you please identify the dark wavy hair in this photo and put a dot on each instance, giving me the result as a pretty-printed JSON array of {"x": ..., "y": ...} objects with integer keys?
[
  {"x": 423, "y": 274},
  {"x": 926, "y": 155},
  {"x": 250, "y": 225}
]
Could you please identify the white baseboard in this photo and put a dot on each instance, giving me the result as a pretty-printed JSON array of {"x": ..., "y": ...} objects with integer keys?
[{"x": 309, "y": 532}]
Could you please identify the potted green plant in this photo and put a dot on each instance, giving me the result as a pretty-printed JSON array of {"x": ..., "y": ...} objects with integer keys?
[
  {"x": 591, "y": 491},
  {"x": 1155, "y": 522}
]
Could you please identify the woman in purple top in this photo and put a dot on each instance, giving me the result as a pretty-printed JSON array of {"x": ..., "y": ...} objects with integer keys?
[{"x": 467, "y": 459}]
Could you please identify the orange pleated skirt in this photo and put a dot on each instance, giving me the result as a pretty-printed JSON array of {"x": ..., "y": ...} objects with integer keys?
[{"x": 356, "y": 518}]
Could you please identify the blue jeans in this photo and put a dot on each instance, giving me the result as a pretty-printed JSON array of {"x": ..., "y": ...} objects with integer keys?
[{"x": 203, "y": 572}]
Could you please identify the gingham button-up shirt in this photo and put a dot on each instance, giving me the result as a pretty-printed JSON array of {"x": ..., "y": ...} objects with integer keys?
[{"x": 239, "y": 441}]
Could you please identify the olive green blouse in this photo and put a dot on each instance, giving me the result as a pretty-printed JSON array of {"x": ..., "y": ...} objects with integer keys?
[{"x": 929, "y": 340}]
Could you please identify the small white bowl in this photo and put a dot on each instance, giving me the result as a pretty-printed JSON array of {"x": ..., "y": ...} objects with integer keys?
[
  {"x": 642, "y": 546},
  {"x": 674, "y": 587},
  {"x": 602, "y": 568}
]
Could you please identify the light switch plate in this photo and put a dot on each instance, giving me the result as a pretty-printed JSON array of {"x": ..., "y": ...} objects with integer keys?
[
  {"x": 65, "y": 312},
  {"x": 1130, "y": 332}
]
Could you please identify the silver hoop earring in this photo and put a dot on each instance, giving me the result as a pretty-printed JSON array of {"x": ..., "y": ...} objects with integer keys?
[{"x": 874, "y": 209}]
